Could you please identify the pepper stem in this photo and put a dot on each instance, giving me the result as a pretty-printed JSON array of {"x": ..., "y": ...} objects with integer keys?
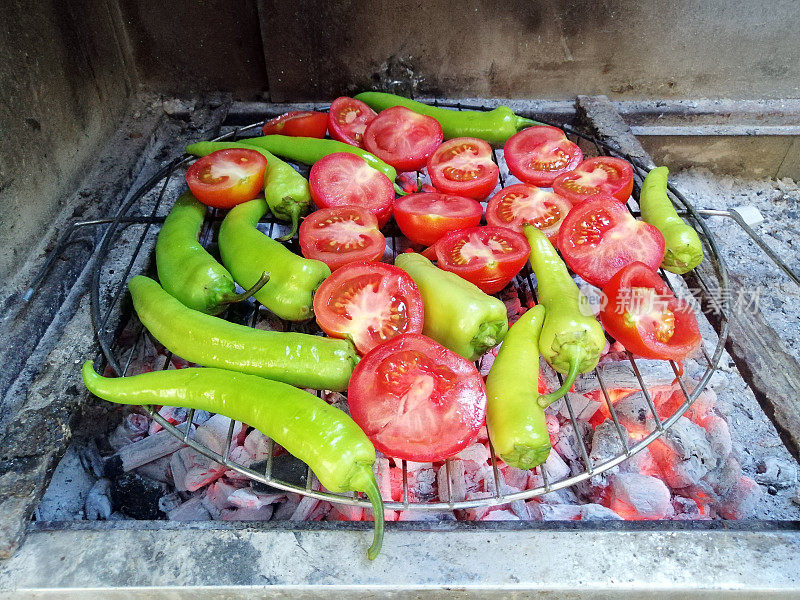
[
  {"x": 547, "y": 399},
  {"x": 370, "y": 488},
  {"x": 523, "y": 122},
  {"x": 248, "y": 293},
  {"x": 294, "y": 215},
  {"x": 400, "y": 191}
]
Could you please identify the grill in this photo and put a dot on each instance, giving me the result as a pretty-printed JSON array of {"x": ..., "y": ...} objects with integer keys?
[{"x": 164, "y": 182}]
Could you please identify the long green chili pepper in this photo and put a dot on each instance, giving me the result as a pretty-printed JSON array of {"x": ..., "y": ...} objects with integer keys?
[
  {"x": 458, "y": 315},
  {"x": 683, "y": 250},
  {"x": 247, "y": 253},
  {"x": 516, "y": 422},
  {"x": 494, "y": 126},
  {"x": 571, "y": 341},
  {"x": 285, "y": 190},
  {"x": 299, "y": 359},
  {"x": 323, "y": 437},
  {"x": 309, "y": 150},
  {"x": 186, "y": 270}
]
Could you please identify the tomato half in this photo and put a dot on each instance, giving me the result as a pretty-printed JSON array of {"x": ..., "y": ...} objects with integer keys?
[
  {"x": 303, "y": 123},
  {"x": 417, "y": 400},
  {"x": 604, "y": 175},
  {"x": 489, "y": 257},
  {"x": 403, "y": 138},
  {"x": 369, "y": 303},
  {"x": 517, "y": 204},
  {"x": 643, "y": 314},
  {"x": 341, "y": 235},
  {"x": 226, "y": 178},
  {"x": 464, "y": 166},
  {"x": 426, "y": 217},
  {"x": 539, "y": 154},
  {"x": 344, "y": 179},
  {"x": 348, "y": 119},
  {"x": 600, "y": 237}
]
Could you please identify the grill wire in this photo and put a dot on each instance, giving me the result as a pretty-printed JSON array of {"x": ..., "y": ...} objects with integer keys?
[{"x": 714, "y": 292}]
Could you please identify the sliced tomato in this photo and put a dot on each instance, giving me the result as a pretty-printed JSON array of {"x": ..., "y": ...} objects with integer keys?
[
  {"x": 599, "y": 237},
  {"x": 344, "y": 179},
  {"x": 226, "y": 178},
  {"x": 489, "y": 256},
  {"x": 416, "y": 400},
  {"x": 303, "y": 123},
  {"x": 643, "y": 314},
  {"x": 341, "y": 235},
  {"x": 464, "y": 166},
  {"x": 403, "y": 138},
  {"x": 541, "y": 153},
  {"x": 426, "y": 217},
  {"x": 348, "y": 119},
  {"x": 604, "y": 175},
  {"x": 517, "y": 204},
  {"x": 369, "y": 303}
]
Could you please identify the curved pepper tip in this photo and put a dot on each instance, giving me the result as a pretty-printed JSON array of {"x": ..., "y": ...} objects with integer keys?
[{"x": 546, "y": 400}]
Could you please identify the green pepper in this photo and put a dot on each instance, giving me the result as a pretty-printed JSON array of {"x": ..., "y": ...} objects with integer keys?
[
  {"x": 683, "y": 250},
  {"x": 458, "y": 315},
  {"x": 494, "y": 126},
  {"x": 571, "y": 340},
  {"x": 516, "y": 423},
  {"x": 323, "y": 437},
  {"x": 186, "y": 271},
  {"x": 299, "y": 359},
  {"x": 309, "y": 150},
  {"x": 285, "y": 190},
  {"x": 248, "y": 253}
]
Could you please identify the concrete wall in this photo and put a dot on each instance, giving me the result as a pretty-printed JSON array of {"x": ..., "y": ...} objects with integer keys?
[{"x": 64, "y": 82}]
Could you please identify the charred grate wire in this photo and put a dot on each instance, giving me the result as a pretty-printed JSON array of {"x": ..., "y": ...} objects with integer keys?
[{"x": 524, "y": 285}]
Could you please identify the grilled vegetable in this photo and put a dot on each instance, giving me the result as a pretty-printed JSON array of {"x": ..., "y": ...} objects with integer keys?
[
  {"x": 516, "y": 422},
  {"x": 683, "y": 250},
  {"x": 297, "y": 358},
  {"x": 186, "y": 271},
  {"x": 310, "y": 150},
  {"x": 571, "y": 341},
  {"x": 323, "y": 437},
  {"x": 457, "y": 314},
  {"x": 248, "y": 253},
  {"x": 285, "y": 190},
  {"x": 494, "y": 126}
]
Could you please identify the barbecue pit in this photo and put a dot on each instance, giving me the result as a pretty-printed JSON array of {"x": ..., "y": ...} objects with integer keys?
[{"x": 46, "y": 407}]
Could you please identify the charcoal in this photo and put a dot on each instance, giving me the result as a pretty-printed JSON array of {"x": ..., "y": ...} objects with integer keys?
[
  {"x": 606, "y": 444},
  {"x": 158, "y": 469},
  {"x": 718, "y": 435},
  {"x": 286, "y": 469},
  {"x": 457, "y": 490},
  {"x": 214, "y": 433},
  {"x": 560, "y": 512},
  {"x": 598, "y": 512},
  {"x": 740, "y": 501},
  {"x": 779, "y": 473},
  {"x": 636, "y": 496},
  {"x": 723, "y": 478},
  {"x": 555, "y": 467},
  {"x": 132, "y": 429},
  {"x": 137, "y": 496},
  {"x": 500, "y": 515},
  {"x": 98, "y": 501},
  {"x": 684, "y": 454},
  {"x": 687, "y": 509},
  {"x": 284, "y": 510},
  {"x": 169, "y": 501},
  {"x": 142, "y": 452},
  {"x": 191, "y": 510},
  {"x": 634, "y": 414},
  {"x": 263, "y": 513}
]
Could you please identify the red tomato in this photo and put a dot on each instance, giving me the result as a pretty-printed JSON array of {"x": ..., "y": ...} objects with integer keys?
[
  {"x": 599, "y": 237},
  {"x": 464, "y": 166},
  {"x": 303, "y": 123},
  {"x": 416, "y": 400},
  {"x": 604, "y": 175},
  {"x": 517, "y": 204},
  {"x": 643, "y": 314},
  {"x": 341, "y": 235},
  {"x": 344, "y": 179},
  {"x": 426, "y": 217},
  {"x": 226, "y": 178},
  {"x": 369, "y": 303},
  {"x": 403, "y": 138},
  {"x": 539, "y": 154},
  {"x": 348, "y": 119},
  {"x": 489, "y": 257}
]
